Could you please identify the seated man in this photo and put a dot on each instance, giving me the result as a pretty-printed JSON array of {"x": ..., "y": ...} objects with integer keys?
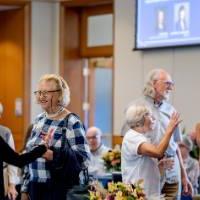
[
  {"x": 191, "y": 165},
  {"x": 96, "y": 165}
]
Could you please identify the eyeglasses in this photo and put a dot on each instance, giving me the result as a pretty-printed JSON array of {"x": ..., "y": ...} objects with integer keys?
[
  {"x": 167, "y": 83},
  {"x": 44, "y": 92},
  {"x": 91, "y": 137}
]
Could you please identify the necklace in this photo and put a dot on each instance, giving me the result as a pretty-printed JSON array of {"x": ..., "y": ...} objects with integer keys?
[{"x": 55, "y": 114}]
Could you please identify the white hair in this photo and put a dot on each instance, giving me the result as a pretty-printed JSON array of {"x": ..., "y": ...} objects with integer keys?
[
  {"x": 135, "y": 115},
  {"x": 187, "y": 142},
  {"x": 151, "y": 77}
]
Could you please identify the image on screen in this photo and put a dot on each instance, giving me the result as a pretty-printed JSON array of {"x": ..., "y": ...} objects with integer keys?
[{"x": 167, "y": 23}]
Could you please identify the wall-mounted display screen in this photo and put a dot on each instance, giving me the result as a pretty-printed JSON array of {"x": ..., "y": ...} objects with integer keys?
[{"x": 167, "y": 23}]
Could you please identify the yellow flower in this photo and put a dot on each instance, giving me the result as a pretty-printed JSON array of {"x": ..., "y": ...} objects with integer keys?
[
  {"x": 119, "y": 196},
  {"x": 119, "y": 191},
  {"x": 112, "y": 160}
]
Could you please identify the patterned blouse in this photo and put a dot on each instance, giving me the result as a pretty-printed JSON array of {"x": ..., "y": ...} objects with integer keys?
[
  {"x": 38, "y": 170},
  {"x": 192, "y": 169}
]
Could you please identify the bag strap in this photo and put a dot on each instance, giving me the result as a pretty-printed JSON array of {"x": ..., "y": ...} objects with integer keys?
[
  {"x": 86, "y": 176},
  {"x": 65, "y": 141},
  {"x": 64, "y": 130}
]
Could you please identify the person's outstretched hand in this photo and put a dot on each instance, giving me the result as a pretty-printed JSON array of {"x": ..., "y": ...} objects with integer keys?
[
  {"x": 48, "y": 155},
  {"x": 174, "y": 121}
]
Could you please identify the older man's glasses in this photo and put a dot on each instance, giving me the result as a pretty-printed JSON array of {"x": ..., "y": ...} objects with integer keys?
[
  {"x": 94, "y": 137},
  {"x": 167, "y": 83},
  {"x": 44, "y": 93}
]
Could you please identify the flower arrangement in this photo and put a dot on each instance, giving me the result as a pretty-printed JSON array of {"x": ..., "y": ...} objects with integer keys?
[
  {"x": 112, "y": 160},
  {"x": 119, "y": 191}
]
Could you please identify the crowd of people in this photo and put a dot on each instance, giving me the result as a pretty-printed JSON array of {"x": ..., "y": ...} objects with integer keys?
[{"x": 152, "y": 149}]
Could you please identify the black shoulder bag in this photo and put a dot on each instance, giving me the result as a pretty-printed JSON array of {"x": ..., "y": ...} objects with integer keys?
[
  {"x": 80, "y": 192},
  {"x": 65, "y": 167}
]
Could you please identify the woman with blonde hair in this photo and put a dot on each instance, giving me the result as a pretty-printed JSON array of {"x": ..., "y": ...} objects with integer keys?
[{"x": 55, "y": 123}]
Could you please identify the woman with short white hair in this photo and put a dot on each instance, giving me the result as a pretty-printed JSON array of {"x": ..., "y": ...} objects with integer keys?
[{"x": 139, "y": 156}]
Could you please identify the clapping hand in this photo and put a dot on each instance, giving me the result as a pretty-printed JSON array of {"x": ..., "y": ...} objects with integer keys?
[
  {"x": 47, "y": 137},
  {"x": 174, "y": 121},
  {"x": 48, "y": 155}
]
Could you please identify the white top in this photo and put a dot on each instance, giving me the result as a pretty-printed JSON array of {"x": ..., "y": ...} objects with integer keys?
[
  {"x": 96, "y": 164},
  {"x": 135, "y": 166},
  {"x": 10, "y": 172},
  {"x": 162, "y": 113}
]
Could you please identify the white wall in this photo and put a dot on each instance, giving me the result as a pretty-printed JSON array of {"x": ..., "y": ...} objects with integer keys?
[
  {"x": 131, "y": 68},
  {"x": 44, "y": 44}
]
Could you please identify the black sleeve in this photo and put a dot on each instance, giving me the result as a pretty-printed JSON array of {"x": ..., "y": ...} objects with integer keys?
[{"x": 11, "y": 157}]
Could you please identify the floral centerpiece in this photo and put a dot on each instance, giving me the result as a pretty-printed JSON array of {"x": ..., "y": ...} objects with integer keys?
[
  {"x": 112, "y": 160},
  {"x": 119, "y": 191}
]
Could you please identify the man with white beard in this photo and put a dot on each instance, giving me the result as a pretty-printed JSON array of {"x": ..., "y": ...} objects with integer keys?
[{"x": 157, "y": 89}]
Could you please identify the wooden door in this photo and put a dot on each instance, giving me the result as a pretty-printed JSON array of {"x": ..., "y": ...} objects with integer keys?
[{"x": 12, "y": 72}]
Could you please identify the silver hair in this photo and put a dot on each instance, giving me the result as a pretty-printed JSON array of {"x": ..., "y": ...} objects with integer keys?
[
  {"x": 135, "y": 115},
  {"x": 148, "y": 86},
  {"x": 187, "y": 142}
]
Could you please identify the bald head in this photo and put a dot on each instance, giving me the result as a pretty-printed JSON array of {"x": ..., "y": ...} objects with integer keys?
[{"x": 93, "y": 136}]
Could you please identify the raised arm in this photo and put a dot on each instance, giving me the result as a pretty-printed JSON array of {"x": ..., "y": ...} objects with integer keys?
[
  {"x": 10, "y": 156},
  {"x": 157, "y": 151}
]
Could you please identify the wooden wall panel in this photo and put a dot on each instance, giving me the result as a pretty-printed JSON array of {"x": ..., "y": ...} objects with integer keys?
[
  {"x": 71, "y": 64},
  {"x": 117, "y": 140},
  {"x": 12, "y": 70}
]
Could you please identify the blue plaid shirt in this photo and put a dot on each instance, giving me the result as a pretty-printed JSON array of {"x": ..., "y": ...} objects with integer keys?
[{"x": 38, "y": 171}]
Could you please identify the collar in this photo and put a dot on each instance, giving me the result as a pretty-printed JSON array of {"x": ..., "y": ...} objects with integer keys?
[
  {"x": 96, "y": 150},
  {"x": 156, "y": 104}
]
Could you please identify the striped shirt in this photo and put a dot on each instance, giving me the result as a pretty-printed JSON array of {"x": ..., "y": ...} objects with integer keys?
[{"x": 38, "y": 170}]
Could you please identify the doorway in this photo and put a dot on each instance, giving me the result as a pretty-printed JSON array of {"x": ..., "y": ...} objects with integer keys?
[{"x": 100, "y": 93}]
